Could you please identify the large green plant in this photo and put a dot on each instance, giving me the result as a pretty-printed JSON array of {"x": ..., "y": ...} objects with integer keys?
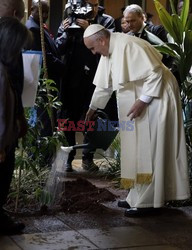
[{"x": 179, "y": 28}]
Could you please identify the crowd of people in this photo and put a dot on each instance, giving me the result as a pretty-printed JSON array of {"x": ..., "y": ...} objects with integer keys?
[{"x": 94, "y": 68}]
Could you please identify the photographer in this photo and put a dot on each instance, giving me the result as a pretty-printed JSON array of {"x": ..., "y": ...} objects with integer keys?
[{"x": 80, "y": 68}]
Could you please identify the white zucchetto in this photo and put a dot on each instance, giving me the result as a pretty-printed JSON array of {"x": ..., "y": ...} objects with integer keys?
[{"x": 92, "y": 29}]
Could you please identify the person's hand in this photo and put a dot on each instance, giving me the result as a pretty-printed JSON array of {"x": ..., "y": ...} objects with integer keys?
[
  {"x": 90, "y": 115},
  {"x": 66, "y": 23},
  {"x": 2, "y": 156},
  {"x": 137, "y": 109},
  {"x": 82, "y": 23}
]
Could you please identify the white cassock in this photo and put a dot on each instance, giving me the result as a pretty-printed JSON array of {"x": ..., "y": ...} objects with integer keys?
[{"x": 153, "y": 155}]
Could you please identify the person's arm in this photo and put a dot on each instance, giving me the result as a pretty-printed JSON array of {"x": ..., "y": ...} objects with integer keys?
[
  {"x": 99, "y": 100},
  {"x": 16, "y": 74},
  {"x": 62, "y": 36},
  {"x": 151, "y": 89},
  {"x": 53, "y": 62}
]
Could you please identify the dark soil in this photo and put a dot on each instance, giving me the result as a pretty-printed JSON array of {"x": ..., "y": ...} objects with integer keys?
[
  {"x": 82, "y": 196},
  {"x": 78, "y": 196}
]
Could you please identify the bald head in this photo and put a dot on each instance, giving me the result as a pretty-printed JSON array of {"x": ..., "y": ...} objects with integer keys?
[{"x": 12, "y": 8}]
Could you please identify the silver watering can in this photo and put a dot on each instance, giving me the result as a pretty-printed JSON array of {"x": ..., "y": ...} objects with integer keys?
[{"x": 101, "y": 135}]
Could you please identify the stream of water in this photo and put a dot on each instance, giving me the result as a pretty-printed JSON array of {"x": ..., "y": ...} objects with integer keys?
[{"x": 55, "y": 185}]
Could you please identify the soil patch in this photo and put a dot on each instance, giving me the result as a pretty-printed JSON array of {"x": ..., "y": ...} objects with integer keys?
[
  {"x": 82, "y": 196},
  {"x": 77, "y": 196}
]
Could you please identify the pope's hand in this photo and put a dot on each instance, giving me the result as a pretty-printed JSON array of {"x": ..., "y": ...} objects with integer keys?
[
  {"x": 137, "y": 109},
  {"x": 90, "y": 115}
]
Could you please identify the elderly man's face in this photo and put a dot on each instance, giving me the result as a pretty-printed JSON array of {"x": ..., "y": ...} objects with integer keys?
[
  {"x": 134, "y": 21},
  {"x": 98, "y": 46}
]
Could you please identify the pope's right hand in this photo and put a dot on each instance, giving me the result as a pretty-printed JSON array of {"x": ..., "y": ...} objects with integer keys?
[{"x": 90, "y": 115}]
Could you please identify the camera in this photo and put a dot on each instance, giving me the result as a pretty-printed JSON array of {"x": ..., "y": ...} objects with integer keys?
[{"x": 77, "y": 9}]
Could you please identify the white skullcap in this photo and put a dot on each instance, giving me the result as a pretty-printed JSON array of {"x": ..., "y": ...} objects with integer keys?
[{"x": 92, "y": 29}]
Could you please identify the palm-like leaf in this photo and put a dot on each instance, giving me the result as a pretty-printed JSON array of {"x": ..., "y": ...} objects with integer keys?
[
  {"x": 166, "y": 18},
  {"x": 185, "y": 12}
]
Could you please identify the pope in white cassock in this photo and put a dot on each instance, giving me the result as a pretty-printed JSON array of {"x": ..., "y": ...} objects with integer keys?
[{"x": 153, "y": 155}]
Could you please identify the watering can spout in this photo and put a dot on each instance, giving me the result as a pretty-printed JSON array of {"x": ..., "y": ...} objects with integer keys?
[{"x": 77, "y": 146}]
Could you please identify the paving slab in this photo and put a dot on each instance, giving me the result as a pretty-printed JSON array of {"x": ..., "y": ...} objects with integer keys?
[
  {"x": 165, "y": 247},
  {"x": 53, "y": 241},
  {"x": 122, "y": 237},
  {"x": 6, "y": 243}
]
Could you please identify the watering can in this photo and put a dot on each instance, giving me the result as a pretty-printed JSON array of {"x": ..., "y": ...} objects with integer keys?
[{"x": 101, "y": 135}]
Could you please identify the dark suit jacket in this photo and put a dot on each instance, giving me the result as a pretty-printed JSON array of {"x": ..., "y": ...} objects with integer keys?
[
  {"x": 54, "y": 64},
  {"x": 160, "y": 32},
  {"x": 8, "y": 108}
]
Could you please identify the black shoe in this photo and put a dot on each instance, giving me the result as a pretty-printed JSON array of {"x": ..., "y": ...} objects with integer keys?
[
  {"x": 139, "y": 212},
  {"x": 69, "y": 168},
  {"x": 123, "y": 203},
  {"x": 10, "y": 227}
]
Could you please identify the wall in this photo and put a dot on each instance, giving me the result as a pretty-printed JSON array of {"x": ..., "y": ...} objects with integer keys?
[
  {"x": 150, "y": 7},
  {"x": 113, "y": 7}
]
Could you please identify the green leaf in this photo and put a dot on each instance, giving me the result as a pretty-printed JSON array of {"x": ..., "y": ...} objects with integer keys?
[
  {"x": 187, "y": 64},
  {"x": 165, "y": 18},
  {"x": 175, "y": 47},
  {"x": 185, "y": 12},
  {"x": 188, "y": 41},
  {"x": 166, "y": 50},
  {"x": 178, "y": 28},
  {"x": 172, "y": 7},
  {"x": 189, "y": 23}
]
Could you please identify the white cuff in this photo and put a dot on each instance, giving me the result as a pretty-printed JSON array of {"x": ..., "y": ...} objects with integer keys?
[
  {"x": 146, "y": 98},
  {"x": 92, "y": 107}
]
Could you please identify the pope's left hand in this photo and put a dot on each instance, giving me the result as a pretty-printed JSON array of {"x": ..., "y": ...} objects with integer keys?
[{"x": 137, "y": 109}]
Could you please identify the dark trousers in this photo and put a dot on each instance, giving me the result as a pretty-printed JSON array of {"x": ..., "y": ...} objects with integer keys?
[
  {"x": 6, "y": 172},
  {"x": 88, "y": 153}
]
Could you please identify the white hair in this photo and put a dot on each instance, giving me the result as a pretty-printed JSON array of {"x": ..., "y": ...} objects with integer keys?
[{"x": 133, "y": 8}]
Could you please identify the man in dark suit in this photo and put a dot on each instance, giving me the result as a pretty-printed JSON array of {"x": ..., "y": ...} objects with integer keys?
[
  {"x": 54, "y": 64},
  {"x": 9, "y": 8},
  {"x": 135, "y": 18}
]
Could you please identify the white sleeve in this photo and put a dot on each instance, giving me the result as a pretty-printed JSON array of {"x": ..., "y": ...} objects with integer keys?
[
  {"x": 146, "y": 98},
  {"x": 100, "y": 98},
  {"x": 153, "y": 83}
]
